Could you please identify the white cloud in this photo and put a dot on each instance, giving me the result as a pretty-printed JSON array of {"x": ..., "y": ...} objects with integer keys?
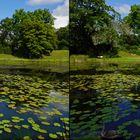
[
  {"x": 62, "y": 10},
  {"x": 61, "y": 13},
  {"x": 61, "y": 21},
  {"x": 39, "y": 2},
  {"x": 123, "y": 9}
]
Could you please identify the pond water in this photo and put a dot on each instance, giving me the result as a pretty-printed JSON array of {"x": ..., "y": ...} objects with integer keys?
[
  {"x": 33, "y": 105},
  {"x": 102, "y": 101}
]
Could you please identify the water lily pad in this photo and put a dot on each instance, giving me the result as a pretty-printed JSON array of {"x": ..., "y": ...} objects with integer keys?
[
  {"x": 41, "y": 137},
  {"x": 53, "y": 136},
  {"x": 7, "y": 130},
  {"x": 42, "y": 131},
  {"x": 1, "y": 131},
  {"x": 5, "y": 121},
  {"x": 1, "y": 115},
  {"x": 27, "y": 138},
  {"x": 57, "y": 124},
  {"x": 30, "y": 120},
  {"x": 45, "y": 123},
  {"x": 25, "y": 126},
  {"x": 59, "y": 133},
  {"x": 43, "y": 117},
  {"x": 17, "y": 126}
]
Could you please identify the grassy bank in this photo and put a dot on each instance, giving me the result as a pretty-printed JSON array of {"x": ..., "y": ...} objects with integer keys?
[
  {"x": 58, "y": 58},
  {"x": 78, "y": 62}
]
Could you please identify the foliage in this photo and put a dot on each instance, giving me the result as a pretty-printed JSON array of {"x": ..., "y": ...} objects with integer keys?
[
  {"x": 29, "y": 34},
  {"x": 109, "y": 100},
  {"x": 4, "y": 49},
  {"x": 133, "y": 19},
  {"x": 135, "y": 50},
  {"x": 92, "y": 27},
  {"x": 63, "y": 38},
  {"x": 26, "y": 105},
  {"x": 35, "y": 39},
  {"x": 130, "y": 36}
]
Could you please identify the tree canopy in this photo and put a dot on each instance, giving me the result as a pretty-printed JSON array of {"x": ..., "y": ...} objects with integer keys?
[
  {"x": 133, "y": 19},
  {"x": 92, "y": 27},
  {"x": 29, "y": 34},
  {"x": 63, "y": 38},
  {"x": 130, "y": 37}
]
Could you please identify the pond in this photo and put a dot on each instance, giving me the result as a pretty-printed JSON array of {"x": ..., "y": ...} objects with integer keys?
[
  {"x": 105, "y": 101},
  {"x": 33, "y": 105}
]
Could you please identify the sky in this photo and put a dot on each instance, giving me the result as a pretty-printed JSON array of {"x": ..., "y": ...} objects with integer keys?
[
  {"x": 122, "y": 6},
  {"x": 58, "y": 8}
]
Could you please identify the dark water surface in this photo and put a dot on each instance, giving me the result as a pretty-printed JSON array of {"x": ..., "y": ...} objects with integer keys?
[
  {"x": 103, "y": 100},
  {"x": 33, "y": 105}
]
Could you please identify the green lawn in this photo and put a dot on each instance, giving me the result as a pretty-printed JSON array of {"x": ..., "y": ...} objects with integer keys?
[
  {"x": 78, "y": 62},
  {"x": 58, "y": 55},
  {"x": 58, "y": 58},
  {"x": 123, "y": 57},
  {"x": 59, "y": 61}
]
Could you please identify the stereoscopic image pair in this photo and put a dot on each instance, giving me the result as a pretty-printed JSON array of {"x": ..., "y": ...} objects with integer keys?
[{"x": 70, "y": 70}]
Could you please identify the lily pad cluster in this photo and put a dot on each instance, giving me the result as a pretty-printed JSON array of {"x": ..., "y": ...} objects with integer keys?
[
  {"x": 104, "y": 100},
  {"x": 27, "y": 95}
]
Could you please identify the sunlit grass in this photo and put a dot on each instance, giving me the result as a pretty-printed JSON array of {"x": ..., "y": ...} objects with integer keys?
[
  {"x": 78, "y": 62},
  {"x": 56, "y": 59}
]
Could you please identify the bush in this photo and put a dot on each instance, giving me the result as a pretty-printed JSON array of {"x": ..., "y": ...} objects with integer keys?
[
  {"x": 135, "y": 51},
  {"x": 5, "y": 49}
]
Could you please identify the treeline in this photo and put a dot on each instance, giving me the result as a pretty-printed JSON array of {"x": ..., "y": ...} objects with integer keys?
[
  {"x": 31, "y": 34},
  {"x": 97, "y": 29}
]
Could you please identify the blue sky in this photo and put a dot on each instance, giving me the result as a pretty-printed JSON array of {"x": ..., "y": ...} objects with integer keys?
[
  {"x": 59, "y": 8},
  {"x": 122, "y": 6}
]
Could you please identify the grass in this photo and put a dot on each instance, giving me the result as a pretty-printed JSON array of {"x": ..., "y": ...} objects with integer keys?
[
  {"x": 125, "y": 57},
  {"x": 59, "y": 55},
  {"x": 58, "y": 58},
  {"x": 59, "y": 61},
  {"x": 78, "y": 62}
]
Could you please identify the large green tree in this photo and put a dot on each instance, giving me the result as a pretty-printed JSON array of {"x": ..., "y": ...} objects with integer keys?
[
  {"x": 35, "y": 39},
  {"x": 5, "y": 35},
  {"x": 133, "y": 19},
  {"x": 63, "y": 38},
  {"x": 130, "y": 35},
  {"x": 29, "y": 34},
  {"x": 92, "y": 27}
]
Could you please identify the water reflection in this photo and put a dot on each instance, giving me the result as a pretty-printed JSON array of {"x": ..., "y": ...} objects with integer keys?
[
  {"x": 109, "y": 99},
  {"x": 33, "y": 107}
]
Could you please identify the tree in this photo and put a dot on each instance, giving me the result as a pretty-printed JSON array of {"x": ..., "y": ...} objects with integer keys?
[
  {"x": 133, "y": 19},
  {"x": 29, "y": 34},
  {"x": 63, "y": 38},
  {"x": 130, "y": 35},
  {"x": 5, "y": 34},
  {"x": 35, "y": 39},
  {"x": 91, "y": 27}
]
